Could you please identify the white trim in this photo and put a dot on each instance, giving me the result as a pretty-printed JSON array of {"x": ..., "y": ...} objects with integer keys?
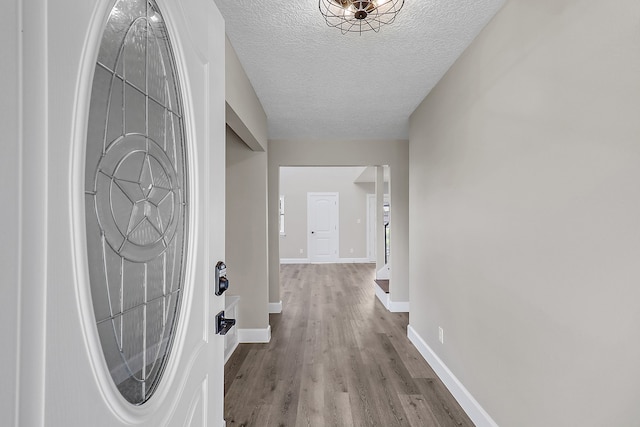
[
  {"x": 295, "y": 261},
  {"x": 382, "y": 295},
  {"x": 230, "y": 301},
  {"x": 392, "y": 306},
  {"x": 354, "y": 261},
  {"x": 228, "y": 354},
  {"x": 231, "y": 339},
  {"x": 275, "y": 307},
  {"x": 281, "y": 216},
  {"x": 398, "y": 306},
  {"x": 478, "y": 415},
  {"x": 384, "y": 273},
  {"x": 261, "y": 335},
  {"x": 371, "y": 240}
]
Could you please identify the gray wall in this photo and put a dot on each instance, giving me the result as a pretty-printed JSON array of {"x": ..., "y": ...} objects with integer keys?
[
  {"x": 296, "y": 182},
  {"x": 244, "y": 113},
  {"x": 10, "y": 213},
  {"x": 246, "y": 232},
  {"x": 346, "y": 153},
  {"x": 525, "y": 205},
  {"x": 246, "y": 196}
]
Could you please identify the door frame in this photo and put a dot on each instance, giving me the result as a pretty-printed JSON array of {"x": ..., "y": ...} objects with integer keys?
[
  {"x": 337, "y": 228},
  {"x": 371, "y": 220}
]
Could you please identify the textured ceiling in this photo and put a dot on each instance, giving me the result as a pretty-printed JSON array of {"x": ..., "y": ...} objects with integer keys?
[{"x": 315, "y": 83}]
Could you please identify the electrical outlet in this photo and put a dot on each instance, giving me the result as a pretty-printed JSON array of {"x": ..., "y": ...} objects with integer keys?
[
  {"x": 358, "y": 221},
  {"x": 351, "y": 250},
  {"x": 301, "y": 251},
  {"x": 440, "y": 334}
]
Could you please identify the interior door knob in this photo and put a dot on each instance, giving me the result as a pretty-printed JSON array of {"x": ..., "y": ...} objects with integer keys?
[{"x": 313, "y": 232}]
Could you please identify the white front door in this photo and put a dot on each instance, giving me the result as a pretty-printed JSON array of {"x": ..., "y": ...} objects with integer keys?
[
  {"x": 159, "y": 214},
  {"x": 322, "y": 227}
]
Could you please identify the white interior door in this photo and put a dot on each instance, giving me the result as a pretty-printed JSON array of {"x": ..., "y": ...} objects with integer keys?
[
  {"x": 143, "y": 351},
  {"x": 322, "y": 227}
]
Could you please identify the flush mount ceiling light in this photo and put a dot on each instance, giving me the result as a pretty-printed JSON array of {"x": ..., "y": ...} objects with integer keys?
[{"x": 358, "y": 16}]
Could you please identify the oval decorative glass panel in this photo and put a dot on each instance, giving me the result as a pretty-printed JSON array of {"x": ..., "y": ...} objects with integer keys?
[{"x": 136, "y": 197}]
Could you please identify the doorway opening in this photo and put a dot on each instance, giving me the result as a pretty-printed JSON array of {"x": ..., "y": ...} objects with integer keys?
[{"x": 327, "y": 214}]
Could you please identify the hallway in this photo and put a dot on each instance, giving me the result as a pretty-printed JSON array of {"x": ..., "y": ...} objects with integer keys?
[{"x": 336, "y": 358}]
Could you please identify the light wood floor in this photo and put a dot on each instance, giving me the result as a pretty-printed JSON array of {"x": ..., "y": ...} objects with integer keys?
[{"x": 337, "y": 357}]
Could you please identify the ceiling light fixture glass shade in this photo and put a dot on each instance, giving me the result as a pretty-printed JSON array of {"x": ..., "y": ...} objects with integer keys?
[{"x": 359, "y": 16}]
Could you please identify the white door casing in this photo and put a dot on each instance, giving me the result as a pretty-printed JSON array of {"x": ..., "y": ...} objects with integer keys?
[
  {"x": 322, "y": 227},
  {"x": 371, "y": 227},
  {"x": 63, "y": 379}
]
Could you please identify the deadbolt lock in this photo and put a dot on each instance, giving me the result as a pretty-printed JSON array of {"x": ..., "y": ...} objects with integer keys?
[{"x": 221, "y": 281}]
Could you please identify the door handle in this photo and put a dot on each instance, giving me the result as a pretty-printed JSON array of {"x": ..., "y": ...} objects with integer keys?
[
  {"x": 223, "y": 324},
  {"x": 313, "y": 232}
]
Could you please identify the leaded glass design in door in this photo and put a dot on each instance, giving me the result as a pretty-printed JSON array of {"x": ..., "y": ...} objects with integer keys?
[{"x": 136, "y": 197}]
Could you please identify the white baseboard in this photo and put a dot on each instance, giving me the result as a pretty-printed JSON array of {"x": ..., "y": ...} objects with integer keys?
[
  {"x": 392, "y": 306},
  {"x": 275, "y": 307},
  {"x": 398, "y": 306},
  {"x": 478, "y": 415},
  {"x": 354, "y": 261},
  {"x": 295, "y": 261},
  {"x": 382, "y": 295},
  {"x": 261, "y": 335}
]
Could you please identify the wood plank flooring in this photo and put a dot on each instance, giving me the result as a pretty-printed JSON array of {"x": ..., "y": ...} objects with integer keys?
[{"x": 337, "y": 357}]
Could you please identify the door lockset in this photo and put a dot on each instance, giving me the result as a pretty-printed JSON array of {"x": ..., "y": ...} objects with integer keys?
[
  {"x": 223, "y": 324},
  {"x": 221, "y": 281}
]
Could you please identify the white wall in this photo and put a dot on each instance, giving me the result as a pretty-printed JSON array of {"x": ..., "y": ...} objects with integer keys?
[
  {"x": 346, "y": 153},
  {"x": 10, "y": 213},
  {"x": 296, "y": 182},
  {"x": 246, "y": 232},
  {"x": 525, "y": 205}
]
